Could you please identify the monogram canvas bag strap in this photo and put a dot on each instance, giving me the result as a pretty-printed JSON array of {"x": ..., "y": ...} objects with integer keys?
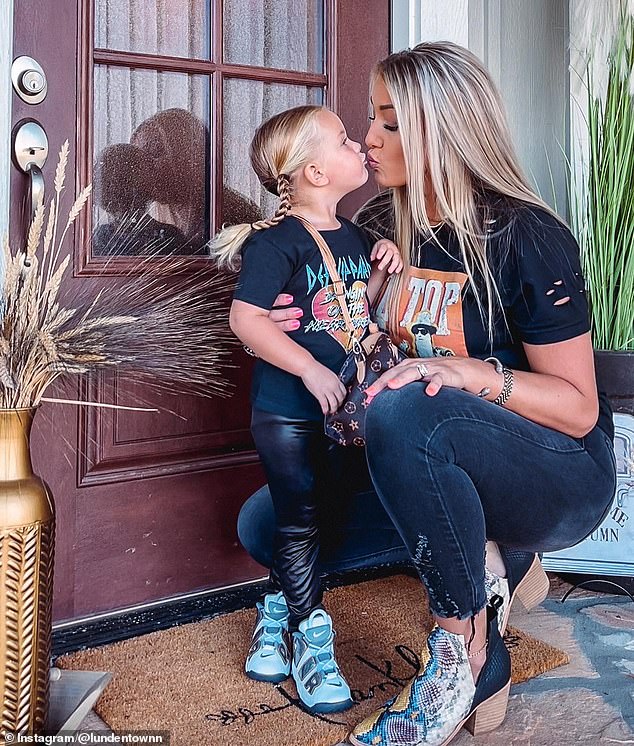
[{"x": 331, "y": 266}]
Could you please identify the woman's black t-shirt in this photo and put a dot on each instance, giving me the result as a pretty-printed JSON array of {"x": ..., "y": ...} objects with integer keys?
[
  {"x": 286, "y": 259},
  {"x": 535, "y": 263}
]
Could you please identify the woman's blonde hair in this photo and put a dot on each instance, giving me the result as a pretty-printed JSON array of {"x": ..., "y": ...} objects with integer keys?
[
  {"x": 281, "y": 146},
  {"x": 456, "y": 142}
]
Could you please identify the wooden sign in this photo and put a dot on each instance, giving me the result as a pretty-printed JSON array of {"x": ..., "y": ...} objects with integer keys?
[{"x": 609, "y": 550}]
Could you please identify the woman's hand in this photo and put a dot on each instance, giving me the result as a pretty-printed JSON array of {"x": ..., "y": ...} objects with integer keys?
[
  {"x": 387, "y": 256},
  {"x": 466, "y": 373},
  {"x": 285, "y": 318},
  {"x": 325, "y": 386}
]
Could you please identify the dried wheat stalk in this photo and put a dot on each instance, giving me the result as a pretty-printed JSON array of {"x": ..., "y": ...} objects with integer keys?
[{"x": 161, "y": 322}]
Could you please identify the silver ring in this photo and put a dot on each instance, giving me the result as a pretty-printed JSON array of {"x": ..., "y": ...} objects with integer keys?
[{"x": 422, "y": 369}]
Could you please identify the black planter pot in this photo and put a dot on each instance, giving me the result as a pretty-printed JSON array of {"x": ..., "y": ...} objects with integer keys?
[{"x": 615, "y": 376}]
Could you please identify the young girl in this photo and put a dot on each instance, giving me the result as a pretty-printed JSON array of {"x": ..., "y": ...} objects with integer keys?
[{"x": 305, "y": 157}]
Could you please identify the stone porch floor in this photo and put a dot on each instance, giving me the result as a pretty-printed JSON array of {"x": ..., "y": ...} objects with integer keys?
[{"x": 590, "y": 700}]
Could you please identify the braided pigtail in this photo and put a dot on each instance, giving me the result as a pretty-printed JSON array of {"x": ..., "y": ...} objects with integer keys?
[
  {"x": 226, "y": 246},
  {"x": 280, "y": 147},
  {"x": 284, "y": 191}
]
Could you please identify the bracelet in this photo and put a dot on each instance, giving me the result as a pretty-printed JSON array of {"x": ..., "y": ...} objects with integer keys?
[
  {"x": 507, "y": 385},
  {"x": 249, "y": 351},
  {"x": 507, "y": 388}
]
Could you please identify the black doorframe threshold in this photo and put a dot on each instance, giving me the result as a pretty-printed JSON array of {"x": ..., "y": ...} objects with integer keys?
[{"x": 174, "y": 612}]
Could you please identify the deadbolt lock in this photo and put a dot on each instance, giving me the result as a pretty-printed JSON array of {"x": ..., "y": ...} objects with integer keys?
[
  {"x": 29, "y": 80},
  {"x": 32, "y": 82}
]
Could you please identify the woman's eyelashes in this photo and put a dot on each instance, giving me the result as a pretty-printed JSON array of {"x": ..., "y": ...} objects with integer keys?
[{"x": 386, "y": 126}]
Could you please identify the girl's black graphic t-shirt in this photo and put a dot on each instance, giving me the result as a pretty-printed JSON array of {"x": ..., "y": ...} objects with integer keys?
[{"x": 286, "y": 259}]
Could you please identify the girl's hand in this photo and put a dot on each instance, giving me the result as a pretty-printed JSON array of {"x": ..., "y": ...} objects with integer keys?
[
  {"x": 387, "y": 255},
  {"x": 325, "y": 386},
  {"x": 285, "y": 318},
  {"x": 465, "y": 373}
]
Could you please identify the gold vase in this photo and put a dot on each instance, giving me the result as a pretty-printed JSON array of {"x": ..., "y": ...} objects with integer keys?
[{"x": 27, "y": 538}]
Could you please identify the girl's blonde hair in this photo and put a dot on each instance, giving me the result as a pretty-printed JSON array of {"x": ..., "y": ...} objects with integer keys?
[
  {"x": 281, "y": 146},
  {"x": 457, "y": 142}
]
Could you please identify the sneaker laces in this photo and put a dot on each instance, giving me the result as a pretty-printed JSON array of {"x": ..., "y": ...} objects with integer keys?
[
  {"x": 274, "y": 616},
  {"x": 271, "y": 636},
  {"x": 320, "y": 639}
]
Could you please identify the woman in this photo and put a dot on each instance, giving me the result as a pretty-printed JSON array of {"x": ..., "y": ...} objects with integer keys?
[{"x": 514, "y": 449}]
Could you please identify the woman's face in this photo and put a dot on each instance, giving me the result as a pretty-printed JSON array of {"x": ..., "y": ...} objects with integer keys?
[{"x": 385, "y": 150}]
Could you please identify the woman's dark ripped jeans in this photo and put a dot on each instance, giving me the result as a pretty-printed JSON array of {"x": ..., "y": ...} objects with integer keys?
[{"x": 449, "y": 472}]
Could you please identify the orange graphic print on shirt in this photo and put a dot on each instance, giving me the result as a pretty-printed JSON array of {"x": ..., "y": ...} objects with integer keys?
[{"x": 430, "y": 313}]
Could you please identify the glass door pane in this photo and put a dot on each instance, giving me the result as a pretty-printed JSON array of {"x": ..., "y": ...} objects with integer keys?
[
  {"x": 287, "y": 34},
  {"x": 179, "y": 28},
  {"x": 151, "y": 171}
]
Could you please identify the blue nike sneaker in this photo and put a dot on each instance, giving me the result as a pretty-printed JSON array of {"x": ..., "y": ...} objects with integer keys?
[
  {"x": 269, "y": 658},
  {"x": 320, "y": 685}
]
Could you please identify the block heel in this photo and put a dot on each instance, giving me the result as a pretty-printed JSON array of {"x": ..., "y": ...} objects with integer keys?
[
  {"x": 489, "y": 714},
  {"x": 534, "y": 586}
]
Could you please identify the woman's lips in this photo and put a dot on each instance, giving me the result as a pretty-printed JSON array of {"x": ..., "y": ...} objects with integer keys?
[{"x": 371, "y": 162}]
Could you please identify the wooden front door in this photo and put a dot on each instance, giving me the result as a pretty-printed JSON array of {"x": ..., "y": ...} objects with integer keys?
[{"x": 159, "y": 99}]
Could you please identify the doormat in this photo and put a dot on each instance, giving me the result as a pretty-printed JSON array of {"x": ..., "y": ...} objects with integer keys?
[{"x": 189, "y": 680}]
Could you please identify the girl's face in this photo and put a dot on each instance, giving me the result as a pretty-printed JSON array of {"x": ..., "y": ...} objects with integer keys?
[
  {"x": 340, "y": 157},
  {"x": 385, "y": 150}
]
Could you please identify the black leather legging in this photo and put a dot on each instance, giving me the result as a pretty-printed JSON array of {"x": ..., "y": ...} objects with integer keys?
[{"x": 303, "y": 471}]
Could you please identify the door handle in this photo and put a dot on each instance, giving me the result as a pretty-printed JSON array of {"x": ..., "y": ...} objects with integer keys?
[
  {"x": 37, "y": 187},
  {"x": 30, "y": 151}
]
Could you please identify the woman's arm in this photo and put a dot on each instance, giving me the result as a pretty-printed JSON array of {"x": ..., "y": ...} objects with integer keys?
[
  {"x": 253, "y": 327},
  {"x": 559, "y": 392}
]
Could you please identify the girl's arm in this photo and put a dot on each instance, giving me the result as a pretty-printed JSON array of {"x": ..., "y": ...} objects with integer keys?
[
  {"x": 386, "y": 259},
  {"x": 253, "y": 327}
]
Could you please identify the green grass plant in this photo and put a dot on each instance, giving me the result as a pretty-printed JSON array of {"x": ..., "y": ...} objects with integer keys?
[{"x": 602, "y": 214}]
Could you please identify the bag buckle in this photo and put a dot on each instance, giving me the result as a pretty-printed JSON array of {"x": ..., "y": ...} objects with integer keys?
[{"x": 340, "y": 288}]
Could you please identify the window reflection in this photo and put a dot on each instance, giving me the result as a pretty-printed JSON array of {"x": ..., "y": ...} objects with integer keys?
[
  {"x": 122, "y": 181},
  {"x": 151, "y": 168},
  {"x": 175, "y": 144},
  {"x": 151, "y": 192}
]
